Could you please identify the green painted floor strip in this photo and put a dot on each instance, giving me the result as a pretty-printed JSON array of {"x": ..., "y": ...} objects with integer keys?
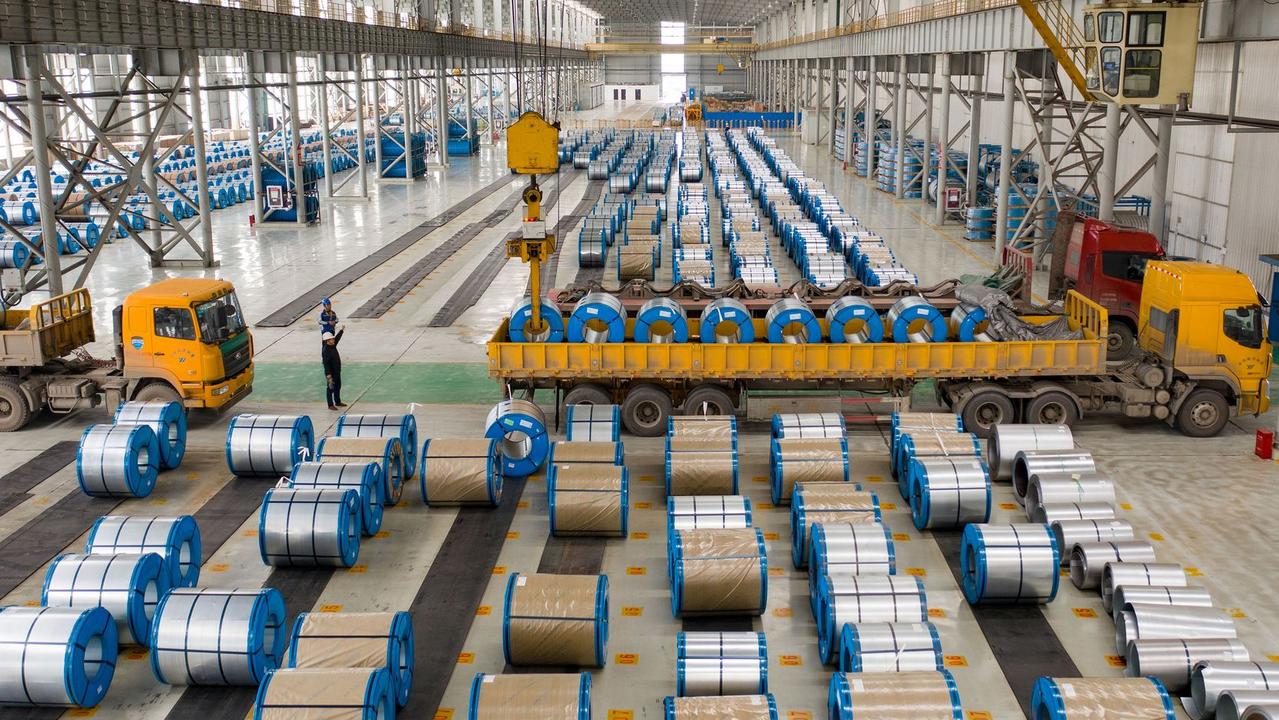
[{"x": 431, "y": 383}]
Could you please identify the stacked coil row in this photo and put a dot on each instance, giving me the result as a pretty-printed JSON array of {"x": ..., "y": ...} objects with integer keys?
[{"x": 124, "y": 459}]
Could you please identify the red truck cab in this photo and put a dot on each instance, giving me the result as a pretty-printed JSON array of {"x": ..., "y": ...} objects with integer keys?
[{"x": 1105, "y": 263}]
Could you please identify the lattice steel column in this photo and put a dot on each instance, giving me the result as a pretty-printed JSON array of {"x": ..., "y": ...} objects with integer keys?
[
  {"x": 43, "y": 174},
  {"x": 899, "y": 126},
  {"x": 195, "y": 103},
  {"x": 943, "y": 143}
]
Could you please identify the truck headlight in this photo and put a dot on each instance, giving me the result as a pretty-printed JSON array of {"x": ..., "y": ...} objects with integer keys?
[{"x": 222, "y": 390}]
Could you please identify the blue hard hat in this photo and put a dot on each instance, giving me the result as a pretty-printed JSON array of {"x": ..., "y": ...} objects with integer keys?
[{"x": 325, "y": 301}]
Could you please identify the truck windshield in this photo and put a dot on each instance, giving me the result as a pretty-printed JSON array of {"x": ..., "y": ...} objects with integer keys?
[
  {"x": 219, "y": 318},
  {"x": 1243, "y": 325},
  {"x": 1126, "y": 265}
]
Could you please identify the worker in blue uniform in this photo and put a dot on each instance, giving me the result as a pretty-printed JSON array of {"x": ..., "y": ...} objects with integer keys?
[{"x": 328, "y": 318}]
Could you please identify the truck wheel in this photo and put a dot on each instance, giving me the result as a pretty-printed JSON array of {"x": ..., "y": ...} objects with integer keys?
[
  {"x": 709, "y": 400},
  {"x": 1203, "y": 414},
  {"x": 646, "y": 410},
  {"x": 985, "y": 410},
  {"x": 588, "y": 394},
  {"x": 14, "y": 411},
  {"x": 157, "y": 392},
  {"x": 1121, "y": 342},
  {"x": 1052, "y": 408}
]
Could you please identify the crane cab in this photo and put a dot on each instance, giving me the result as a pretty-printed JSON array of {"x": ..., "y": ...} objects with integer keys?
[{"x": 1141, "y": 53}]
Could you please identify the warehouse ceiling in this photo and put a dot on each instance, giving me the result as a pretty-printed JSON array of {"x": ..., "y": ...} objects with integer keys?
[{"x": 692, "y": 12}]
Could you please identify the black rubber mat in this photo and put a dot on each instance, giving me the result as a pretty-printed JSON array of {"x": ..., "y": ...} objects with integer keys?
[
  {"x": 309, "y": 300},
  {"x": 572, "y": 556},
  {"x": 1020, "y": 637},
  {"x": 469, "y": 292},
  {"x": 588, "y": 275},
  {"x": 45, "y": 536},
  {"x": 400, "y": 287},
  {"x": 16, "y": 485},
  {"x": 449, "y": 596},
  {"x": 227, "y": 510},
  {"x": 735, "y": 623}
]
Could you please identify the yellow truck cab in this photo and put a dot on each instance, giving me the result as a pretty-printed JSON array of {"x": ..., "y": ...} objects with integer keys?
[
  {"x": 1205, "y": 325},
  {"x": 190, "y": 334}
]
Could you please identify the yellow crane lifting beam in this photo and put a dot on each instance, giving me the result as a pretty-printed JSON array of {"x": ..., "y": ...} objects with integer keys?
[{"x": 1062, "y": 36}]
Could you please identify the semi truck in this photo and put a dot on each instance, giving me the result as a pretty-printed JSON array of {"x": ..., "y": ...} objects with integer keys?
[
  {"x": 179, "y": 339},
  {"x": 1202, "y": 360}
]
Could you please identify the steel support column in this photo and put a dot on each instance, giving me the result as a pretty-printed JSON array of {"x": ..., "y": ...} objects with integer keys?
[
  {"x": 1005, "y": 155},
  {"x": 899, "y": 126},
  {"x": 1159, "y": 191},
  {"x": 43, "y": 174},
  {"x": 294, "y": 144},
  {"x": 943, "y": 142},
  {"x": 870, "y": 129},
  {"x": 195, "y": 103},
  {"x": 1109, "y": 166}
]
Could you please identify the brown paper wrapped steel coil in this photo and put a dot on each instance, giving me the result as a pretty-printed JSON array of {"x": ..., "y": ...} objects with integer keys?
[
  {"x": 700, "y": 466},
  {"x": 719, "y": 572},
  {"x": 587, "y": 499},
  {"x": 328, "y": 694},
  {"x": 558, "y": 696},
  {"x": 893, "y": 696},
  {"x": 723, "y": 707},
  {"x": 1090, "y": 698},
  {"x": 635, "y": 261},
  {"x": 555, "y": 620},
  {"x": 459, "y": 472},
  {"x": 578, "y": 452},
  {"x": 336, "y": 448},
  {"x": 835, "y": 496},
  {"x": 806, "y": 460},
  {"x": 703, "y": 426},
  {"x": 341, "y": 640}
]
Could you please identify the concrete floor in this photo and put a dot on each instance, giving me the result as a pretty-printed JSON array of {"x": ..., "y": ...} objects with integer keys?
[{"x": 1206, "y": 503}]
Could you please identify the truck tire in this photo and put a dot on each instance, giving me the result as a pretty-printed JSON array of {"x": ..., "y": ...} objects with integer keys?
[
  {"x": 1121, "y": 342},
  {"x": 709, "y": 400},
  {"x": 14, "y": 411},
  {"x": 987, "y": 409},
  {"x": 1052, "y": 408},
  {"x": 646, "y": 410},
  {"x": 1203, "y": 413},
  {"x": 157, "y": 391},
  {"x": 588, "y": 394}
]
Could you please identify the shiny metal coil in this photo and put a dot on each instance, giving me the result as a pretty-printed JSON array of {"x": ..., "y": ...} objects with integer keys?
[
  {"x": 1139, "y": 621},
  {"x": 1138, "y": 574},
  {"x": 127, "y": 586},
  {"x": 118, "y": 461},
  {"x": 948, "y": 492},
  {"x": 1158, "y": 595},
  {"x": 175, "y": 539},
  {"x": 1028, "y": 463},
  {"x": 854, "y": 320},
  {"x": 1171, "y": 661},
  {"x": 520, "y": 328},
  {"x": 598, "y": 317},
  {"x": 60, "y": 657},
  {"x": 1008, "y": 440},
  {"x": 1248, "y": 705},
  {"x": 402, "y": 426},
  {"x": 1087, "y": 560},
  {"x": 203, "y": 636},
  {"x": 707, "y": 512},
  {"x": 890, "y": 647},
  {"x": 661, "y": 320},
  {"x": 1070, "y": 533},
  {"x": 1053, "y": 512},
  {"x": 726, "y": 320},
  {"x": 845, "y": 599},
  {"x": 809, "y": 425},
  {"x": 1057, "y": 489},
  {"x": 592, "y": 423},
  {"x": 720, "y": 663},
  {"x": 363, "y": 477},
  {"x": 168, "y": 420},
  {"x": 790, "y": 320},
  {"x": 521, "y": 428},
  {"x": 970, "y": 324},
  {"x": 1210, "y": 679},
  {"x": 309, "y": 528},
  {"x": 268, "y": 445},
  {"x": 914, "y": 319},
  {"x": 1008, "y": 564},
  {"x": 843, "y": 548}
]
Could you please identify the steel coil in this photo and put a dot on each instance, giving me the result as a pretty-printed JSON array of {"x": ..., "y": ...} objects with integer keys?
[
  {"x": 1192, "y": 595},
  {"x": 597, "y": 318},
  {"x": 805, "y": 460},
  {"x": 1087, "y": 560},
  {"x": 718, "y": 572},
  {"x": 555, "y": 620},
  {"x": 890, "y": 647},
  {"x": 169, "y": 422},
  {"x": 1054, "y": 512},
  {"x": 852, "y": 599},
  {"x": 913, "y": 319},
  {"x": 175, "y": 539},
  {"x": 1210, "y": 680},
  {"x": 1141, "y": 621},
  {"x": 948, "y": 492},
  {"x": 813, "y": 503},
  {"x": 356, "y": 640},
  {"x": 127, "y": 586},
  {"x": 564, "y": 696},
  {"x": 117, "y": 461},
  {"x": 849, "y": 549},
  {"x": 929, "y": 444},
  {"x": 720, "y": 663},
  {"x": 1143, "y": 698},
  {"x": 1057, "y": 489},
  {"x": 1008, "y": 440},
  {"x": 700, "y": 465},
  {"x": 728, "y": 707},
  {"x": 309, "y": 528},
  {"x": 970, "y": 323},
  {"x": 520, "y": 328},
  {"x": 403, "y": 427},
  {"x": 726, "y": 320},
  {"x": 364, "y": 478},
  {"x": 1070, "y": 533},
  {"x": 592, "y": 248},
  {"x": 202, "y": 636},
  {"x": 461, "y": 472},
  {"x": 56, "y": 657},
  {"x": 385, "y": 451},
  {"x": 790, "y": 320},
  {"x": 14, "y": 254},
  {"x": 268, "y": 445},
  {"x": 707, "y": 512},
  {"x": 1134, "y": 575},
  {"x": 914, "y": 695},
  {"x": 903, "y": 422},
  {"x": 808, "y": 425},
  {"x": 1172, "y": 661},
  {"x": 356, "y": 693},
  {"x": 661, "y": 320},
  {"x": 854, "y": 320},
  {"x": 592, "y": 499},
  {"x": 592, "y": 423},
  {"x": 568, "y": 452},
  {"x": 1248, "y": 705},
  {"x": 1008, "y": 564},
  {"x": 1048, "y": 463},
  {"x": 520, "y": 428}
]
